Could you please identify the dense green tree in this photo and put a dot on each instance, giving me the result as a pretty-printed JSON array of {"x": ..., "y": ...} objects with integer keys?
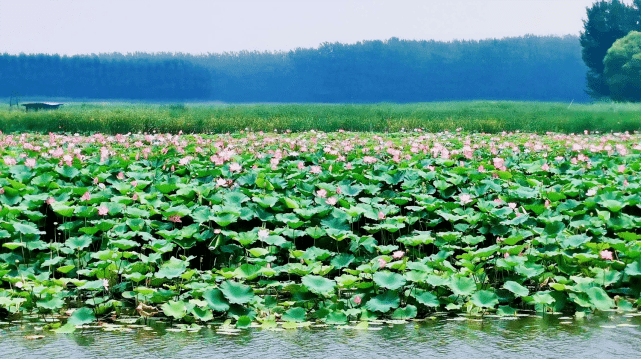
[
  {"x": 622, "y": 68},
  {"x": 542, "y": 68},
  {"x": 607, "y": 21}
]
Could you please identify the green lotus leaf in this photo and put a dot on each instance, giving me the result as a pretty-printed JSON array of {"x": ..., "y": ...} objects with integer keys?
[
  {"x": 505, "y": 310},
  {"x": 165, "y": 188},
  {"x": 389, "y": 280},
  {"x": 234, "y": 199},
  {"x": 258, "y": 252},
  {"x": 124, "y": 244},
  {"x": 53, "y": 303},
  {"x": 383, "y": 302},
  {"x": 543, "y": 298},
  {"x": 237, "y": 293},
  {"x": 68, "y": 171},
  {"x": 93, "y": 285},
  {"x": 319, "y": 285},
  {"x": 291, "y": 219},
  {"x": 216, "y": 300},
  {"x": 81, "y": 316},
  {"x": 13, "y": 245},
  {"x": 575, "y": 241},
  {"x": 335, "y": 317},
  {"x": 342, "y": 260},
  {"x": 172, "y": 268},
  {"x": 316, "y": 254},
  {"x": 66, "y": 269},
  {"x": 26, "y": 229},
  {"x": 202, "y": 314},
  {"x": 315, "y": 232},
  {"x": 485, "y": 299},
  {"x": 174, "y": 309},
  {"x": 408, "y": 312},
  {"x": 66, "y": 329},
  {"x": 79, "y": 243},
  {"x": 462, "y": 286},
  {"x": 612, "y": 205},
  {"x": 426, "y": 298},
  {"x": 225, "y": 219},
  {"x": 633, "y": 268},
  {"x": 295, "y": 315},
  {"x": 554, "y": 228},
  {"x": 516, "y": 288},
  {"x": 52, "y": 262},
  {"x": 246, "y": 238},
  {"x": 243, "y": 322},
  {"x": 600, "y": 299},
  {"x": 274, "y": 240}
]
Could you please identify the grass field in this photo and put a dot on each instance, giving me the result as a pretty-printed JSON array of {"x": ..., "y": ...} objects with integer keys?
[{"x": 474, "y": 116}]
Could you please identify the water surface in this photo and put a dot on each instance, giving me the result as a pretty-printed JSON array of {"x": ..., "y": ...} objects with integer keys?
[{"x": 606, "y": 335}]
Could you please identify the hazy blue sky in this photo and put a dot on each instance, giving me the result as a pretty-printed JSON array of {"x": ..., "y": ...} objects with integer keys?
[{"x": 96, "y": 26}]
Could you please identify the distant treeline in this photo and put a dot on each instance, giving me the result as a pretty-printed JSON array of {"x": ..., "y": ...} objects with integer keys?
[{"x": 539, "y": 68}]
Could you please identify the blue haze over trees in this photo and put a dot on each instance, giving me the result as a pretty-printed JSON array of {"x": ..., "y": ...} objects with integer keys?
[{"x": 542, "y": 68}]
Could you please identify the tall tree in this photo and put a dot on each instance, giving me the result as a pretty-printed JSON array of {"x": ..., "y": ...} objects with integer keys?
[{"x": 607, "y": 21}]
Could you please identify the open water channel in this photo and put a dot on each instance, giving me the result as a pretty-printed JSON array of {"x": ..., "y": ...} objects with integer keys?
[{"x": 606, "y": 335}]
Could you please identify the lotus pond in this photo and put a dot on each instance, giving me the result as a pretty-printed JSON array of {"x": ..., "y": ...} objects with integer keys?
[{"x": 268, "y": 229}]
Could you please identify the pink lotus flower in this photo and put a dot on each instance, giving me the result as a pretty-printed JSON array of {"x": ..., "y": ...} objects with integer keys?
[
  {"x": 621, "y": 168},
  {"x": 512, "y": 205},
  {"x": 134, "y": 184},
  {"x": 369, "y": 159},
  {"x": 85, "y": 197},
  {"x": 398, "y": 254},
  {"x": 321, "y": 193},
  {"x": 465, "y": 199},
  {"x": 221, "y": 182},
  {"x": 105, "y": 284},
  {"x": 381, "y": 262},
  {"x": 50, "y": 200},
  {"x": 263, "y": 233},
  {"x": 357, "y": 300},
  {"x": 9, "y": 161},
  {"x": 235, "y": 167},
  {"x": 316, "y": 169},
  {"x": 331, "y": 201},
  {"x": 606, "y": 255},
  {"x": 545, "y": 167},
  {"x": 30, "y": 162},
  {"x": 120, "y": 176},
  {"x": 19, "y": 284},
  {"x": 175, "y": 219},
  {"x": 135, "y": 197},
  {"x": 103, "y": 211},
  {"x": 381, "y": 215}
]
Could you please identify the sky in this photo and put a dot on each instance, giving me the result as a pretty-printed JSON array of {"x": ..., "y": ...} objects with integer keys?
[{"x": 70, "y": 27}]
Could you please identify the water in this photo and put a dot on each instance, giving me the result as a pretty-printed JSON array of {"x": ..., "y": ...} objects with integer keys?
[{"x": 551, "y": 336}]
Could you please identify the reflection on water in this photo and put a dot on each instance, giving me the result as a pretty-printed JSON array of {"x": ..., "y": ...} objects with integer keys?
[{"x": 599, "y": 336}]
